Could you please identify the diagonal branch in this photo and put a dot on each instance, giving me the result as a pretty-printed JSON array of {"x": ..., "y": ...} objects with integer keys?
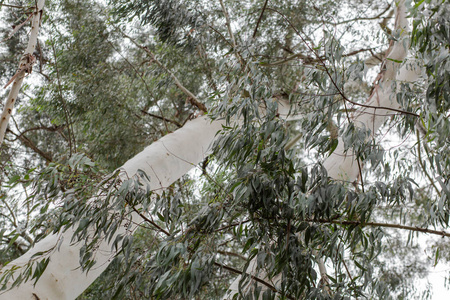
[
  {"x": 227, "y": 17},
  {"x": 17, "y": 84},
  {"x": 28, "y": 143},
  {"x": 190, "y": 95},
  {"x": 385, "y": 225},
  {"x": 361, "y": 18},
  {"x": 162, "y": 118},
  {"x": 260, "y": 18}
]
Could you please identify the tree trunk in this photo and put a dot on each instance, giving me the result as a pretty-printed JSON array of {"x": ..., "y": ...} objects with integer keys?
[
  {"x": 164, "y": 161},
  {"x": 24, "y": 66}
]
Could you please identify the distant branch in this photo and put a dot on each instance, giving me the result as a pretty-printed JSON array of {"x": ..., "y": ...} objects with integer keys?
[
  {"x": 361, "y": 18},
  {"x": 162, "y": 118},
  {"x": 46, "y": 128},
  {"x": 331, "y": 77},
  {"x": 386, "y": 225},
  {"x": 190, "y": 95}
]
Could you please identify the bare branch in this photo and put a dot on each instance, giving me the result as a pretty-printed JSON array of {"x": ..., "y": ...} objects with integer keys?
[
  {"x": 227, "y": 17},
  {"x": 28, "y": 143},
  {"x": 362, "y": 18},
  {"x": 259, "y": 19},
  {"x": 162, "y": 118},
  {"x": 385, "y": 225},
  {"x": 255, "y": 278}
]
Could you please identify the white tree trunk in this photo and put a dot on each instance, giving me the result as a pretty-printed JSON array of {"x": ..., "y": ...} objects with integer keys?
[
  {"x": 17, "y": 83},
  {"x": 165, "y": 161}
]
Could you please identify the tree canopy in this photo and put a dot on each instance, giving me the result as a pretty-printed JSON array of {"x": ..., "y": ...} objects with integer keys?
[{"x": 163, "y": 149}]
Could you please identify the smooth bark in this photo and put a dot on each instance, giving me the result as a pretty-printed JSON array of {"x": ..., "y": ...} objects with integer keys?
[{"x": 164, "y": 161}]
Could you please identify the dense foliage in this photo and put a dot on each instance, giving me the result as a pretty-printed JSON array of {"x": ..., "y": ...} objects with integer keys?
[{"x": 111, "y": 78}]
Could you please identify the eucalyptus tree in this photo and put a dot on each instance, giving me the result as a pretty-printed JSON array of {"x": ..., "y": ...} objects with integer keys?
[{"x": 288, "y": 112}]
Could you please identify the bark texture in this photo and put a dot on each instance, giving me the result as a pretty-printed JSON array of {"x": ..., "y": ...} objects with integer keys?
[{"x": 24, "y": 66}]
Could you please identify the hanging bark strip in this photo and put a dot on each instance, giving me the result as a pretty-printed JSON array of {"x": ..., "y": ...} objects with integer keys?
[{"x": 24, "y": 67}]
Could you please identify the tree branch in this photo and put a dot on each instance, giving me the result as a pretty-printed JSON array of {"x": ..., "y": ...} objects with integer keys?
[
  {"x": 191, "y": 96},
  {"x": 360, "y": 18},
  {"x": 386, "y": 225},
  {"x": 227, "y": 17},
  {"x": 28, "y": 143},
  {"x": 259, "y": 19},
  {"x": 255, "y": 278},
  {"x": 162, "y": 118}
]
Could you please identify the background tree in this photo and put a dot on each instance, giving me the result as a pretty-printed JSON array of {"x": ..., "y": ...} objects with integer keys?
[{"x": 115, "y": 78}]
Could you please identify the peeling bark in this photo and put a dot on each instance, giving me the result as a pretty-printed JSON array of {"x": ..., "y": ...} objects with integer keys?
[{"x": 24, "y": 62}]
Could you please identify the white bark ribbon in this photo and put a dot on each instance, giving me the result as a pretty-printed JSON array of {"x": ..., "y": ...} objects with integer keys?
[{"x": 342, "y": 164}]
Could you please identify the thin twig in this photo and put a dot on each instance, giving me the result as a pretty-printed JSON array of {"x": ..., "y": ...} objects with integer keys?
[
  {"x": 162, "y": 118},
  {"x": 227, "y": 17},
  {"x": 252, "y": 277},
  {"x": 386, "y": 225},
  {"x": 419, "y": 152},
  {"x": 14, "y": 6},
  {"x": 360, "y": 18},
  {"x": 149, "y": 221},
  {"x": 308, "y": 59}
]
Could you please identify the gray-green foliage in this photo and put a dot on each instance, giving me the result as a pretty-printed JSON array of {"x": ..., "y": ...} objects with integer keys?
[{"x": 102, "y": 99}]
